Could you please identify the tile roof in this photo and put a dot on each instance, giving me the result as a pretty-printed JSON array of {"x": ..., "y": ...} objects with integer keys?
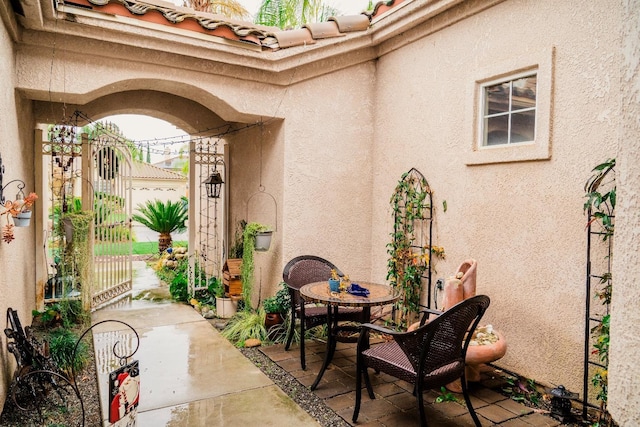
[
  {"x": 141, "y": 170},
  {"x": 266, "y": 38}
]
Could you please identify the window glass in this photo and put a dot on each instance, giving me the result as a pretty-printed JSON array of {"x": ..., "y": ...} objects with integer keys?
[{"x": 510, "y": 111}]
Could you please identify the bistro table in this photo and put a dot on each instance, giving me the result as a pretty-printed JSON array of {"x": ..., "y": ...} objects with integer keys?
[{"x": 318, "y": 292}]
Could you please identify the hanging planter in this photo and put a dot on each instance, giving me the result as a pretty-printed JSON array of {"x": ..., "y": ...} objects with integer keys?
[
  {"x": 23, "y": 219},
  {"x": 263, "y": 240}
]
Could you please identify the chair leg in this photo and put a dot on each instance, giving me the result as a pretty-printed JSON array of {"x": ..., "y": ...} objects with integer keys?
[
  {"x": 367, "y": 381},
  {"x": 421, "y": 411},
  {"x": 359, "y": 373},
  {"x": 465, "y": 393},
  {"x": 292, "y": 326},
  {"x": 303, "y": 361}
]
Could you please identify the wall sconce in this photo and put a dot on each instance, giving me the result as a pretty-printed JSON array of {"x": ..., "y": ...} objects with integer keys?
[{"x": 214, "y": 185}]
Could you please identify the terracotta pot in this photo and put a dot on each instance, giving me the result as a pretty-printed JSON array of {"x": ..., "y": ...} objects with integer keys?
[{"x": 273, "y": 319}]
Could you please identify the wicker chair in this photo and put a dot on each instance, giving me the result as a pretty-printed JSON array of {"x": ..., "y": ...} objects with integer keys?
[
  {"x": 301, "y": 271},
  {"x": 431, "y": 356}
]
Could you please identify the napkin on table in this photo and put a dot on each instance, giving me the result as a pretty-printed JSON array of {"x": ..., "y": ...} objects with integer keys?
[{"x": 355, "y": 289}]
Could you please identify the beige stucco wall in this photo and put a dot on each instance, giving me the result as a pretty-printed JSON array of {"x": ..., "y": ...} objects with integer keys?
[
  {"x": 624, "y": 375},
  {"x": 522, "y": 221},
  {"x": 336, "y": 142},
  {"x": 17, "y": 284}
]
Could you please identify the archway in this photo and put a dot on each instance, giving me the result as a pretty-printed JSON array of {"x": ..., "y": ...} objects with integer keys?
[{"x": 208, "y": 223}]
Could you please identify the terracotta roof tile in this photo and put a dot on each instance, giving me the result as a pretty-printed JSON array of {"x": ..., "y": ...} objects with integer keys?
[
  {"x": 165, "y": 13},
  {"x": 323, "y": 30},
  {"x": 351, "y": 23},
  {"x": 290, "y": 38}
]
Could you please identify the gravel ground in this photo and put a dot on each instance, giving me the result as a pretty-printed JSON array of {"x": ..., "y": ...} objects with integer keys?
[
  {"x": 304, "y": 397},
  {"x": 55, "y": 411}
]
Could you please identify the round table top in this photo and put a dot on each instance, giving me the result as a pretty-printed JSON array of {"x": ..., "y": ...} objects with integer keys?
[{"x": 378, "y": 295}]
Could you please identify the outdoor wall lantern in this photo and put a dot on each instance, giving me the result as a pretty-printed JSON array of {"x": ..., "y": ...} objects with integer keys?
[
  {"x": 561, "y": 403},
  {"x": 214, "y": 185}
]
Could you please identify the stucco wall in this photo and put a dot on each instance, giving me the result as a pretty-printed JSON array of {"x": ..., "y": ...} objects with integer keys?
[
  {"x": 522, "y": 221},
  {"x": 17, "y": 285},
  {"x": 329, "y": 132},
  {"x": 341, "y": 140},
  {"x": 624, "y": 376},
  {"x": 317, "y": 164},
  {"x": 255, "y": 195}
]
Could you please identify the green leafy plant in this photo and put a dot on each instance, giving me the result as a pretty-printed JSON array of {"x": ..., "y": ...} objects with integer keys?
[
  {"x": 237, "y": 248},
  {"x": 522, "y": 390},
  {"x": 600, "y": 205},
  {"x": 244, "y": 325},
  {"x": 179, "y": 285},
  {"x": 248, "y": 267},
  {"x": 407, "y": 261},
  {"x": 76, "y": 258},
  {"x": 280, "y": 302},
  {"x": 446, "y": 396},
  {"x": 216, "y": 287},
  {"x": 62, "y": 342},
  {"x": 163, "y": 218}
]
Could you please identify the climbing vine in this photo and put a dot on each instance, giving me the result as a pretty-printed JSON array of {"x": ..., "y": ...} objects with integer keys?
[
  {"x": 248, "y": 267},
  {"x": 77, "y": 252},
  {"x": 600, "y": 205},
  {"x": 409, "y": 253}
]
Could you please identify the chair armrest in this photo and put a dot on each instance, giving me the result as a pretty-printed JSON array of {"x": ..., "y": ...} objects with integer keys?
[{"x": 426, "y": 312}]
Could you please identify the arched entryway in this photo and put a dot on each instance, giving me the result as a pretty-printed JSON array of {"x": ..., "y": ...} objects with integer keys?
[{"x": 210, "y": 138}]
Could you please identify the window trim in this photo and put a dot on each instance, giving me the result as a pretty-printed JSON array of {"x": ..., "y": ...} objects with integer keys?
[
  {"x": 510, "y": 112},
  {"x": 538, "y": 63}
]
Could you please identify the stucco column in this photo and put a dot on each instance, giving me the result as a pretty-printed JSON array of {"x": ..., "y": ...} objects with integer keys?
[{"x": 624, "y": 361}]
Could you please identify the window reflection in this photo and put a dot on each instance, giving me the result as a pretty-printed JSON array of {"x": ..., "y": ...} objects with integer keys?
[{"x": 510, "y": 111}]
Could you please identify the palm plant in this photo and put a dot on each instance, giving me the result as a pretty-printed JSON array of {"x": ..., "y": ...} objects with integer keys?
[
  {"x": 230, "y": 8},
  {"x": 164, "y": 218},
  {"x": 293, "y": 13}
]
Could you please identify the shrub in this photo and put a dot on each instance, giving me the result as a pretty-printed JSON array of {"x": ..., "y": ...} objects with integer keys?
[
  {"x": 61, "y": 344},
  {"x": 244, "y": 325}
]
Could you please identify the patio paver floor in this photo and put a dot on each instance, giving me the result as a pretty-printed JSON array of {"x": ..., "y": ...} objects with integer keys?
[{"x": 394, "y": 404}]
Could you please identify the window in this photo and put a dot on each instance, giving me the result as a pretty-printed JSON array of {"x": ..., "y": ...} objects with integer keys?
[
  {"x": 508, "y": 116},
  {"x": 509, "y": 111}
]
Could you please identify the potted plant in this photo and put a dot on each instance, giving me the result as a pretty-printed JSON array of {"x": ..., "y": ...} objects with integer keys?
[
  {"x": 225, "y": 306},
  {"x": 334, "y": 281},
  {"x": 276, "y": 307},
  {"x": 263, "y": 240},
  {"x": 20, "y": 209}
]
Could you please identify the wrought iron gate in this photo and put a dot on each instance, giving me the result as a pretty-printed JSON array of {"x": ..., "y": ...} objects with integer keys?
[
  {"x": 110, "y": 170},
  {"x": 88, "y": 245}
]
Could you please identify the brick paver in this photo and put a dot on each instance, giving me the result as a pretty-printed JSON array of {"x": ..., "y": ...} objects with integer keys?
[{"x": 395, "y": 405}]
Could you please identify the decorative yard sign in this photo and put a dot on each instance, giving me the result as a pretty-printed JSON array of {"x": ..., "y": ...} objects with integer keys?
[{"x": 124, "y": 395}]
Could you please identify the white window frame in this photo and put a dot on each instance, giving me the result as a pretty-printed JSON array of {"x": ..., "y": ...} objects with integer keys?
[
  {"x": 539, "y": 63},
  {"x": 510, "y": 112}
]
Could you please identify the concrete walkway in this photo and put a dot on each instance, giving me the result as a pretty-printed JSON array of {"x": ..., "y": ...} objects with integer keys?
[{"x": 189, "y": 374}]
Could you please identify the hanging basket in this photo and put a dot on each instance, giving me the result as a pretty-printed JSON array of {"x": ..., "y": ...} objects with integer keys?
[
  {"x": 263, "y": 240},
  {"x": 23, "y": 219}
]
